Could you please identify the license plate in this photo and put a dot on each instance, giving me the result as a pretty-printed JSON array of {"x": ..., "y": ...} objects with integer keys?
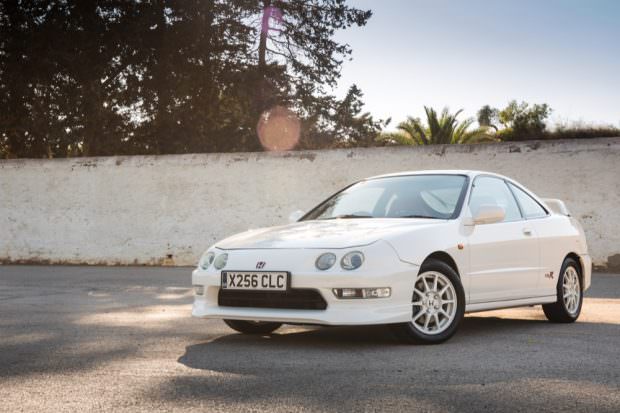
[{"x": 255, "y": 280}]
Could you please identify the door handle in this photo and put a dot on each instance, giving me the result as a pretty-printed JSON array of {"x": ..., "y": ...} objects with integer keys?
[{"x": 527, "y": 231}]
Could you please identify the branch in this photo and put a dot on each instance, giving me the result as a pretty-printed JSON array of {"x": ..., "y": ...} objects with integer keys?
[{"x": 277, "y": 53}]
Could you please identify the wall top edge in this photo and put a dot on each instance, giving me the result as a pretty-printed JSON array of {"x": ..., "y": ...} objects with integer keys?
[{"x": 556, "y": 145}]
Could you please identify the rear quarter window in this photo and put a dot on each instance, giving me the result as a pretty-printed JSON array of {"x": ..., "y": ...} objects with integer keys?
[{"x": 530, "y": 207}]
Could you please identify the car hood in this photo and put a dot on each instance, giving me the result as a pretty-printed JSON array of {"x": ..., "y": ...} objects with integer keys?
[{"x": 328, "y": 234}]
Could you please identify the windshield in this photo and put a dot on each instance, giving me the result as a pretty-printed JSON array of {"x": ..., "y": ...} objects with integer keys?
[{"x": 413, "y": 196}]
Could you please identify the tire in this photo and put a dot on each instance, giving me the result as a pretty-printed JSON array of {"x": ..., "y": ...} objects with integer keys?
[
  {"x": 253, "y": 327},
  {"x": 569, "y": 283},
  {"x": 429, "y": 325}
]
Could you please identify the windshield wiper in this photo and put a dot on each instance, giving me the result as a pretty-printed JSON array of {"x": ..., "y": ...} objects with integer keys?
[
  {"x": 349, "y": 216},
  {"x": 420, "y": 216}
]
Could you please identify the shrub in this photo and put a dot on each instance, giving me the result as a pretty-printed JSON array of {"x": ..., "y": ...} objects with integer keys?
[{"x": 583, "y": 132}]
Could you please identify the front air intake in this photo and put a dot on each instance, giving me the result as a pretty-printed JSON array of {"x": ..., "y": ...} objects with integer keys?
[{"x": 294, "y": 299}]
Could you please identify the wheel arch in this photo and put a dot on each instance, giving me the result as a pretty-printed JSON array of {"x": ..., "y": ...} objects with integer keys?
[{"x": 443, "y": 257}]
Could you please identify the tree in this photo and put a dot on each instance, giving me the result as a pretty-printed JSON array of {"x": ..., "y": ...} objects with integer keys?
[
  {"x": 442, "y": 129},
  {"x": 523, "y": 121},
  {"x": 60, "y": 76},
  {"x": 488, "y": 117},
  {"x": 342, "y": 123},
  {"x": 297, "y": 38},
  {"x": 103, "y": 77}
]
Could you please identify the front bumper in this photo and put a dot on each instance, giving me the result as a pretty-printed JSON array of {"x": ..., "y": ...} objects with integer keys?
[{"x": 388, "y": 271}]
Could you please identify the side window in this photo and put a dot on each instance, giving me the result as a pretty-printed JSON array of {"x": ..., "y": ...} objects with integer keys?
[
  {"x": 529, "y": 206},
  {"x": 493, "y": 191}
]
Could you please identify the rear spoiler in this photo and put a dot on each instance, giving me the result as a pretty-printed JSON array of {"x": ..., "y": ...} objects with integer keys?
[{"x": 557, "y": 206}]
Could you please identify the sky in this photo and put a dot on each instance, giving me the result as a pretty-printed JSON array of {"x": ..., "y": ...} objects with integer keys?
[{"x": 467, "y": 53}]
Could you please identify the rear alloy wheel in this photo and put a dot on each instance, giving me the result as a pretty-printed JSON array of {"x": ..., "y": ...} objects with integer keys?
[
  {"x": 438, "y": 305},
  {"x": 253, "y": 327},
  {"x": 569, "y": 293}
]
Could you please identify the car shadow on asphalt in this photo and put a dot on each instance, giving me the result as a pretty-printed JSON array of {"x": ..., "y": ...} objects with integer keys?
[
  {"x": 311, "y": 340},
  {"x": 316, "y": 365}
]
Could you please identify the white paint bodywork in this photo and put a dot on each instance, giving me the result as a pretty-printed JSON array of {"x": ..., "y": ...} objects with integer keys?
[{"x": 505, "y": 264}]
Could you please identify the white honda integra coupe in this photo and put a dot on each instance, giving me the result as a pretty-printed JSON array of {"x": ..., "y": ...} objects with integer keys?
[{"x": 415, "y": 250}]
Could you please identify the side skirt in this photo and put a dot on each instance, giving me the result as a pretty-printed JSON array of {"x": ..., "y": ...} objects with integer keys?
[{"x": 496, "y": 305}]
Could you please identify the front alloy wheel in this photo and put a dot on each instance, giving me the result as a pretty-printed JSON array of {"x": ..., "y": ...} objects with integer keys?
[{"x": 438, "y": 305}]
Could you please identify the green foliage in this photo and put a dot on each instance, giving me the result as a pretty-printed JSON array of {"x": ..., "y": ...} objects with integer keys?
[
  {"x": 526, "y": 122},
  {"x": 505, "y": 135},
  {"x": 582, "y": 132},
  {"x": 571, "y": 132},
  {"x": 348, "y": 125},
  {"x": 103, "y": 77},
  {"x": 439, "y": 129},
  {"x": 488, "y": 117}
]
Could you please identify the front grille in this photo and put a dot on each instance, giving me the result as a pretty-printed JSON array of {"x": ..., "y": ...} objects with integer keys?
[{"x": 294, "y": 299}]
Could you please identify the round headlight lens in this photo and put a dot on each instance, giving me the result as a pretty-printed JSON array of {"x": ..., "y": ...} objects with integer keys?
[
  {"x": 325, "y": 261},
  {"x": 220, "y": 261},
  {"x": 206, "y": 260},
  {"x": 352, "y": 260}
]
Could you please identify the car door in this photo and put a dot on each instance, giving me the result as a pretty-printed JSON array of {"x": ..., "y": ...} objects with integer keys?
[
  {"x": 504, "y": 256},
  {"x": 550, "y": 239}
]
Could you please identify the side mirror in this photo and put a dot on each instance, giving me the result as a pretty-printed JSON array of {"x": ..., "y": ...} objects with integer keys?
[
  {"x": 295, "y": 216},
  {"x": 489, "y": 214}
]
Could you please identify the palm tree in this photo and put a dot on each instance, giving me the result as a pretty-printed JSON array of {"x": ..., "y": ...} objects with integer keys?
[{"x": 444, "y": 129}]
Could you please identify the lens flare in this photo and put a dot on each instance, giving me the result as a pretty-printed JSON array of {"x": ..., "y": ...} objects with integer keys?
[{"x": 278, "y": 129}]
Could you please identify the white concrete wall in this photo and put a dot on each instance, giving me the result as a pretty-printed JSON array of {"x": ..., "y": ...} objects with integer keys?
[{"x": 143, "y": 209}]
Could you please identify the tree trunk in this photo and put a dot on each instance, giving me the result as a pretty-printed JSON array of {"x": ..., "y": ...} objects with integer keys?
[
  {"x": 163, "y": 85},
  {"x": 263, "y": 83},
  {"x": 89, "y": 75},
  {"x": 264, "y": 33}
]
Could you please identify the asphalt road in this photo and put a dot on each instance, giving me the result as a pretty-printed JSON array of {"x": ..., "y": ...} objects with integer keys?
[{"x": 122, "y": 339}]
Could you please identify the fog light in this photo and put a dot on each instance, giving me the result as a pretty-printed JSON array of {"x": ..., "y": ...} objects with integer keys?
[
  {"x": 346, "y": 293},
  {"x": 199, "y": 289},
  {"x": 377, "y": 292}
]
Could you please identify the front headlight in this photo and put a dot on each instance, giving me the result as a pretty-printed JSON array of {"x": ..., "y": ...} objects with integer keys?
[
  {"x": 352, "y": 260},
  {"x": 206, "y": 260},
  {"x": 325, "y": 261},
  {"x": 220, "y": 261}
]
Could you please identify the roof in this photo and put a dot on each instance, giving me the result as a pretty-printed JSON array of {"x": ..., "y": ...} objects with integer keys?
[{"x": 470, "y": 173}]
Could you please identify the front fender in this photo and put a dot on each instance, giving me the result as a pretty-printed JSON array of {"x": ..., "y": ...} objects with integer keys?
[{"x": 416, "y": 245}]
